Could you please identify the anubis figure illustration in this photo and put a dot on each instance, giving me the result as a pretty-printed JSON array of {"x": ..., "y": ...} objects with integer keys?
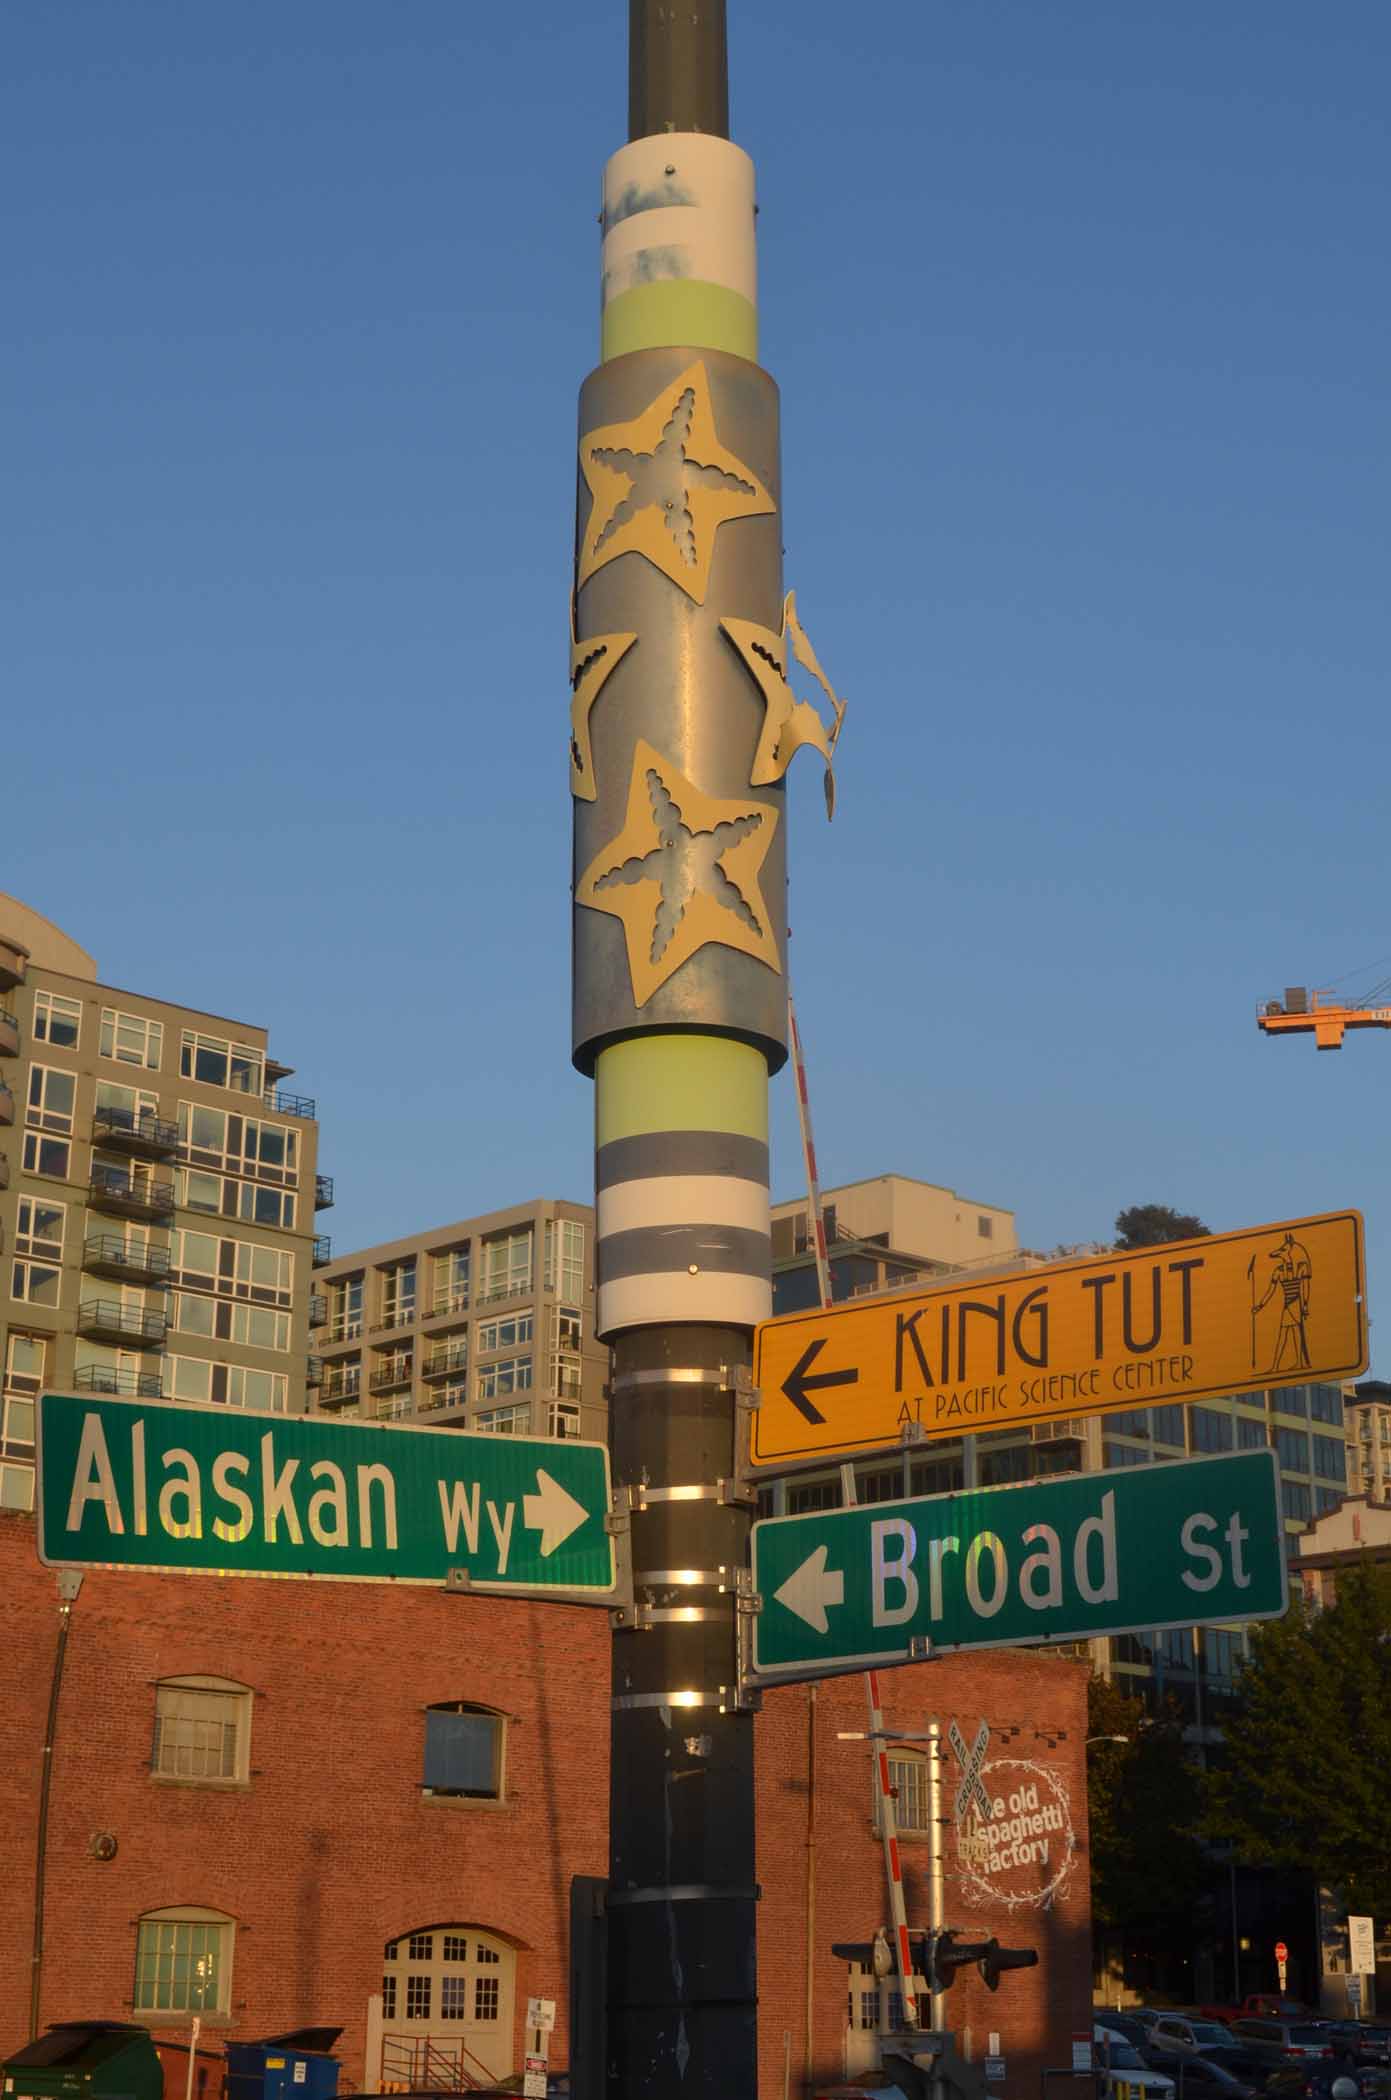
[{"x": 1289, "y": 1285}]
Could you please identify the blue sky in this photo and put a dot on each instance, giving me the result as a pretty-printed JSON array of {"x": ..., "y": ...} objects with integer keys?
[{"x": 1080, "y": 315}]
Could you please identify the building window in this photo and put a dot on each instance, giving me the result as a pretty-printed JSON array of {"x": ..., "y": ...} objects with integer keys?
[
  {"x": 812, "y": 1494},
  {"x": 344, "y": 1310},
  {"x": 40, "y": 1226},
  {"x": 1115, "y": 1454},
  {"x": 16, "y": 1487},
  {"x": 417, "y": 1997},
  {"x": 505, "y": 1334},
  {"x": 129, "y": 1039},
  {"x": 453, "y": 1997},
  {"x": 226, "y": 1385},
  {"x": 252, "y": 1326},
  {"x": 56, "y": 1020},
  {"x": 388, "y": 1997},
  {"x": 1167, "y": 1424},
  {"x": 233, "y": 1268},
  {"x": 1326, "y": 1404},
  {"x": 1209, "y": 1430},
  {"x": 398, "y": 1294},
  {"x": 217, "y": 1062},
  {"x": 511, "y": 1374},
  {"x": 463, "y": 1752},
  {"x": 52, "y": 1098},
  {"x": 1291, "y": 1400},
  {"x": 565, "y": 1259},
  {"x": 507, "y": 1270},
  {"x": 212, "y": 1138},
  {"x": 47, "y": 1155},
  {"x": 563, "y": 1418},
  {"x": 450, "y": 1281},
  {"x": 985, "y": 1227},
  {"x": 1250, "y": 1434},
  {"x": 1330, "y": 1457},
  {"x": 485, "y": 1997},
  {"x": 1292, "y": 1445},
  {"x": 453, "y": 1947},
  {"x": 183, "y": 1962},
  {"x": 132, "y": 1105},
  {"x": 506, "y": 1421},
  {"x": 35, "y": 1283},
  {"x": 26, "y": 1357},
  {"x": 908, "y": 1778},
  {"x": 202, "y": 1730},
  {"x": 1295, "y": 1496}
]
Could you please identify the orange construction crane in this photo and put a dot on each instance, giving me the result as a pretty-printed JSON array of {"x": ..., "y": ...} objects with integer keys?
[{"x": 1323, "y": 1013}]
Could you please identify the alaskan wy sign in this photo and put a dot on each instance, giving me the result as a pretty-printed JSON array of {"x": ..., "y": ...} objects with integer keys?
[
  {"x": 1230, "y": 1313},
  {"x": 130, "y": 1483},
  {"x": 1194, "y": 1543}
]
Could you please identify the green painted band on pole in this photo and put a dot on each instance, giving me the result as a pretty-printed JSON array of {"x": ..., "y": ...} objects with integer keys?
[
  {"x": 679, "y": 310},
  {"x": 680, "y": 1082}
]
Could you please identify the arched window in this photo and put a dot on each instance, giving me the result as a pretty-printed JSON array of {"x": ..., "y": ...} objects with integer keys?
[
  {"x": 463, "y": 1751},
  {"x": 448, "y": 1996},
  {"x": 183, "y": 1961},
  {"x": 202, "y": 1731}
]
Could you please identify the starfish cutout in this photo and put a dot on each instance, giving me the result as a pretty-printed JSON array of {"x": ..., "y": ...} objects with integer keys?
[
  {"x": 788, "y": 722},
  {"x": 592, "y": 663},
  {"x": 683, "y": 871},
  {"x": 663, "y": 485}
]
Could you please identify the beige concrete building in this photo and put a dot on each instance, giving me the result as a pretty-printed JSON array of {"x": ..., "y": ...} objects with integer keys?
[
  {"x": 484, "y": 1324},
  {"x": 1368, "y": 1409},
  {"x": 883, "y": 1232},
  {"x": 1350, "y": 1534},
  {"x": 158, "y": 1192}
]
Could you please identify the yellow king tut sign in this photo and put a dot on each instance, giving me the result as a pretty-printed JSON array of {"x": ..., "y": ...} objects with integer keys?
[{"x": 1230, "y": 1313}]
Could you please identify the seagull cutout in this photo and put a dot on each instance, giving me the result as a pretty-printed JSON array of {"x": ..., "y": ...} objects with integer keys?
[{"x": 788, "y": 723}]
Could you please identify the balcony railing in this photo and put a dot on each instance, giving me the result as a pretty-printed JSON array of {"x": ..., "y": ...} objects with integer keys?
[
  {"x": 343, "y": 1327},
  {"x": 314, "y": 1371},
  {"x": 106, "y": 1378},
  {"x": 318, "y": 1309},
  {"x": 451, "y": 1301},
  {"x": 437, "y": 1397},
  {"x": 323, "y": 1191},
  {"x": 108, "y": 1254},
  {"x": 512, "y": 1287},
  {"x": 130, "y": 1194},
  {"x": 106, "y": 1319},
  {"x": 6, "y": 1105},
  {"x": 336, "y": 1389},
  {"x": 385, "y": 1376},
  {"x": 394, "y": 1316},
  {"x": 441, "y": 1362},
  {"x": 9, "y": 1034},
  {"x": 323, "y": 1250},
  {"x": 392, "y": 1410},
  {"x": 290, "y": 1104},
  {"x": 135, "y": 1130}
]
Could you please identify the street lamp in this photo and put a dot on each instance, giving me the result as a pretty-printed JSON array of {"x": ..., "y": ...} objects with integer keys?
[{"x": 1104, "y": 1739}]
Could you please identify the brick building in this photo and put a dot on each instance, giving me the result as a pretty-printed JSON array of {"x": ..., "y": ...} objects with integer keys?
[{"x": 272, "y": 1801}]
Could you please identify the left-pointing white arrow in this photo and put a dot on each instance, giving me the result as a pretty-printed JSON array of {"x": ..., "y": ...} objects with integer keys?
[
  {"x": 553, "y": 1512},
  {"x": 809, "y": 1589}
]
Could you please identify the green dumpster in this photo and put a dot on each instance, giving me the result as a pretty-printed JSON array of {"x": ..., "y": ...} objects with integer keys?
[{"x": 85, "y": 2060}]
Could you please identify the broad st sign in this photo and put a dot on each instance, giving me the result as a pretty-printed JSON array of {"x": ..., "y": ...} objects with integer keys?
[
  {"x": 141, "y": 1484},
  {"x": 1230, "y": 1313},
  {"x": 1199, "y": 1542}
]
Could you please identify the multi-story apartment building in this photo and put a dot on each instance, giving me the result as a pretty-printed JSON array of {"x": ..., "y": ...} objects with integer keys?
[
  {"x": 874, "y": 1247},
  {"x": 484, "y": 1324},
  {"x": 1369, "y": 1440},
  {"x": 157, "y": 1198}
]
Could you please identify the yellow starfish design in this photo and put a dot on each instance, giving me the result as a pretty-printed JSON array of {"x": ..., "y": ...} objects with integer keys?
[
  {"x": 683, "y": 871},
  {"x": 592, "y": 663},
  {"x": 663, "y": 485}
]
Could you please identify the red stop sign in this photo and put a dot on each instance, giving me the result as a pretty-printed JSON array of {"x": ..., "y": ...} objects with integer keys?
[{"x": 1282, "y": 1952}]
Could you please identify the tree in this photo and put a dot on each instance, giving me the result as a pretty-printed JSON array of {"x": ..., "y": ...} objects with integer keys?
[
  {"x": 1308, "y": 1745},
  {"x": 1144, "y": 1805},
  {"x": 1151, "y": 1224}
]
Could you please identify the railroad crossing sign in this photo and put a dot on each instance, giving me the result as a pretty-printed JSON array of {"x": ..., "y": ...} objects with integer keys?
[
  {"x": 1229, "y": 1313},
  {"x": 1199, "y": 1542},
  {"x": 135, "y": 1483},
  {"x": 972, "y": 1763}
]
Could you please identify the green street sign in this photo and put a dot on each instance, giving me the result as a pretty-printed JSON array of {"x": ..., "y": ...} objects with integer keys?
[
  {"x": 1195, "y": 1543},
  {"x": 141, "y": 1484}
]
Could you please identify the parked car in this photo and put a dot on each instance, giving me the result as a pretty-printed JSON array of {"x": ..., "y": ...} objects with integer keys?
[
  {"x": 1285, "y": 2041},
  {"x": 1197, "y": 2077},
  {"x": 1321, "y": 2081},
  {"x": 1132, "y": 2023},
  {"x": 1188, "y": 2031},
  {"x": 1271, "y": 2005},
  {"x": 1364, "y": 2040},
  {"x": 1124, "y": 2071}
]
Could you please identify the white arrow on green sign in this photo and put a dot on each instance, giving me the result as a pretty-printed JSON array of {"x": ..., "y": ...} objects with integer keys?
[
  {"x": 1194, "y": 1543},
  {"x": 143, "y": 1484}
]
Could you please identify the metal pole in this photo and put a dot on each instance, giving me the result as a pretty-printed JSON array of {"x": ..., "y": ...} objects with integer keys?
[
  {"x": 678, "y": 68},
  {"x": 936, "y": 1880}
]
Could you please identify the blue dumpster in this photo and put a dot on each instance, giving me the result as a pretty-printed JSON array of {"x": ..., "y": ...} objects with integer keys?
[{"x": 295, "y": 2066}]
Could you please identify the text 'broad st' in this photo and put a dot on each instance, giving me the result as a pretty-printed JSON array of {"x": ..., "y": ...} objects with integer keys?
[
  {"x": 1276, "y": 1305},
  {"x": 1190, "y": 1544},
  {"x": 141, "y": 1484}
]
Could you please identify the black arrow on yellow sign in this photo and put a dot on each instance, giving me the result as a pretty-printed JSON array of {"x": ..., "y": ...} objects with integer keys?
[{"x": 798, "y": 1383}]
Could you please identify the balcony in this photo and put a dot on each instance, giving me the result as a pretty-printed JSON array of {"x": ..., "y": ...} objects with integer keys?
[
  {"x": 4, "y": 1170},
  {"x": 386, "y": 1376},
  {"x": 130, "y": 1195},
  {"x": 125, "y": 1261},
  {"x": 392, "y": 1410},
  {"x": 138, "y": 1131},
  {"x": 509, "y": 1287},
  {"x": 6, "y": 1105},
  {"x": 445, "y": 1304},
  {"x": 107, "y": 1320},
  {"x": 438, "y": 1399},
  {"x": 314, "y": 1371},
  {"x": 323, "y": 1250},
  {"x": 318, "y": 1309},
  {"x": 132, "y": 1385},
  {"x": 290, "y": 1104},
  {"x": 323, "y": 1192},
  {"x": 9, "y": 1034},
  {"x": 14, "y": 959},
  {"x": 334, "y": 1392},
  {"x": 440, "y": 1363},
  {"x": 394, "y": 1316}
]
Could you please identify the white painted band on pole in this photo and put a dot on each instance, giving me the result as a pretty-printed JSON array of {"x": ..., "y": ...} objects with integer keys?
[
  {"x": 679, "y": 204},
  {"x": 651, "y": 1300},
  {"x": 683, "y": 1199}
]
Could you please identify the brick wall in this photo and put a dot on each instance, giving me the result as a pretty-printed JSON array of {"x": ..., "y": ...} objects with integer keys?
[{"x": 333, "y": 1851}]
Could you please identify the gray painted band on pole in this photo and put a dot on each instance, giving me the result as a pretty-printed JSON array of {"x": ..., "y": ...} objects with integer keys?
[
  {"x": 667, "y": 1152},
  {"x": 630, "y": 1702},
  {"x": 678, "y": 68},
  {"x": 732, "y": 1250},
  {"x": 686, "y": 1892}
]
